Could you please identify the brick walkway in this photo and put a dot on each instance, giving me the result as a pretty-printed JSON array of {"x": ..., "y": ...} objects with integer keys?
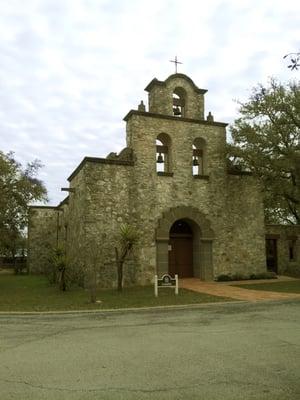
[{"x": 225, "y": 290}]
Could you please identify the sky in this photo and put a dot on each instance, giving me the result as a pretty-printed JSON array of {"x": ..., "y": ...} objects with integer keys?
[{"x": 70, "y": 70}]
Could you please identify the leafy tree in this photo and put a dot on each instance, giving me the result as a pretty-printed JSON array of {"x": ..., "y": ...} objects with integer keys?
[
  {"x": 128, "y": 237},
  {"x": 294, "y": 59},
  {"x": 18, "y": 187},
  {"x": 266, "y": 141}
]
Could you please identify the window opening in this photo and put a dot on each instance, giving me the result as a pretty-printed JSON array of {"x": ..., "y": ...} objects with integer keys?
[
  {"x": 197, "y": 161},
  {"x": 178, "y": 102},
  {"x": 161, "y": 157},
  {"x": 163, "y": 153},
  {"x": 292, "y": 246}
]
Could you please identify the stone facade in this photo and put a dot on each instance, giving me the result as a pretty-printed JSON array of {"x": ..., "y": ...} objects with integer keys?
[
  {"x": 283, "y": 248},
  {"x": 223, "y": 209},
  {"x": 42, "y": 237}
]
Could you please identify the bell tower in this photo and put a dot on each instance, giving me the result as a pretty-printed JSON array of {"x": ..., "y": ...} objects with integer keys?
[
  {"x": 176, "y": 96},
  {"x": 179, "y": 164},
  {"x": 172, "y": 136}
]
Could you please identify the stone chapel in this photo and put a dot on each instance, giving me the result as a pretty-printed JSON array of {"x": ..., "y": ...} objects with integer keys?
[{"x": 195, "y": 216}]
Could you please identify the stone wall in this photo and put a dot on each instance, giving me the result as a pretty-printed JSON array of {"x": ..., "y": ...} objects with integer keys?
[
  {"x": 73, "y": 220},
  {"x": 101, "y": 205},
  {"x": 161, "y": 96},
  {"x": 219, "y": 197},
  {"x": 224, "y": 211},
  {"x": 63, "y": 218},
  {"x": 42, "y": 237},
  {"x": 156, "y": 194},
  {"x": 114, "y": 194},
  {"x": 245, "y": 244},
  {"x": 286, "y": 236}
]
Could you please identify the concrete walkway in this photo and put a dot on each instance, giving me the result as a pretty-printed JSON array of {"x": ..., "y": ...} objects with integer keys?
[{"x": 225, "y": 290}]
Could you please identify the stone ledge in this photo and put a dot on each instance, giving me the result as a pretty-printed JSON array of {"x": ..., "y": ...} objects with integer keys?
[
  {"x": 160, "y": 173},
  {"x": 237, "y": 172},
  {"x": 171, "y": 117},
  {"x": 99, "y": 161},
  {"x": 44, "y": 207},
  {"x": 203, "y": 177}
]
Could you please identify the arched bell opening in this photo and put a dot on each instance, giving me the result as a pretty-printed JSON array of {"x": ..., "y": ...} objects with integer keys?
[
  {"x": 179, "y": 102},
  {"x": 199, "y": 157},
  {"x": 163, "y": 153}
]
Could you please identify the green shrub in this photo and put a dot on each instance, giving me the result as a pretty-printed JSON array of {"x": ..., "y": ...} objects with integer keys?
[
  {"x": 240, "y": 277},
  {"x": 223, "y": 278},
  {"x": 264, "y": 275}
]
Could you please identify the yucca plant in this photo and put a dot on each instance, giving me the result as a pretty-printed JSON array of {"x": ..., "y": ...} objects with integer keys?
[{"x": 128, "y": 237}]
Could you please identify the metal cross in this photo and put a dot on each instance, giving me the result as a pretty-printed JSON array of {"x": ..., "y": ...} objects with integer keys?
[{"x": 175, "y": 62}]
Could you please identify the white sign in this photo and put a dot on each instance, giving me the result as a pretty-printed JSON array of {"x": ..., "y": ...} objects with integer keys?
[{"x": 166, "y": 281}]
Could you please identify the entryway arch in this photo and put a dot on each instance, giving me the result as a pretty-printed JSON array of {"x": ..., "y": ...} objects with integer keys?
[{"x": 186, "y": 227}]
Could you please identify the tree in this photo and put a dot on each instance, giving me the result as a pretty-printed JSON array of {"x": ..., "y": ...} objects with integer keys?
[
  {"x": 294, "y": 59},
  {"x": 18, "y": 187},
  {"x": 59, "y": 261},
  {"x": 128, "y": 237},
  {"x": 266, "y": 141}
]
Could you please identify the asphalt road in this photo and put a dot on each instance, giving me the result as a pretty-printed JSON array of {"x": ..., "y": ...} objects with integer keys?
[{"x": 222, "y": 351}]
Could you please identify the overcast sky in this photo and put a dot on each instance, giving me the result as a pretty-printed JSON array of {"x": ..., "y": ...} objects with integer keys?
[{"x": 70, "y": 70}]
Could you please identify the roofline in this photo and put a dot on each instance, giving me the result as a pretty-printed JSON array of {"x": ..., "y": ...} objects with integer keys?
[
  {"x": 171, "y": 117},
  {"x": 284, "y": 225},
  {"x": 99, "y": 161},
  {"x": 155, "y": 81},
  {"x": 45, "y": 207},
  {"x": 64, "y": 201}
]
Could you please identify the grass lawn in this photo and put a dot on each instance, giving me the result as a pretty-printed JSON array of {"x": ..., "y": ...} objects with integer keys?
[
  {"x": 287, "y": 287},
  {"x": 34, "y": 293}
]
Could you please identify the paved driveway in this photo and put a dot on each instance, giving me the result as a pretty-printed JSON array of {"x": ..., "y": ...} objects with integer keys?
[
  {"x": 224, "y": 351},
  {"x": 224, "y": 289}
]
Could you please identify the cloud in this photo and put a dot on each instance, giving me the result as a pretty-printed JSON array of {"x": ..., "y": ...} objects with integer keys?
[{"x": 71, "y": 69}]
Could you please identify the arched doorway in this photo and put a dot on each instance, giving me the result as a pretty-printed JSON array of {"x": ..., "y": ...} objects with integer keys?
[
  {"x": 201, "y": 236},
  {"x": 181, "y": 249}
]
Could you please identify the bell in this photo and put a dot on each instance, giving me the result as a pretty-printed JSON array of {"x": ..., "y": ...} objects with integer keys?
[
  {"x": 195, "y": 162},
  {"x": 160, "y": 159},
  {"x": 176, "y": 110}
]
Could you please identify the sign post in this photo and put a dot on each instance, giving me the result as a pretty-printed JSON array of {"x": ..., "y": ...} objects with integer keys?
[{"x": 166, "y": 281}]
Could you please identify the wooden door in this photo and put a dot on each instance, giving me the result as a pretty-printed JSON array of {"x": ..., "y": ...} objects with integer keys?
[
  {"x": 181, "y": 256},
  {"x": 271, "y": 252}
]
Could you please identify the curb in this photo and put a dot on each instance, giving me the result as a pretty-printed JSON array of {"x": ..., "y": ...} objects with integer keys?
[
  {"x": 144, "y": 309},
  {"x": 119, "y": 310}
]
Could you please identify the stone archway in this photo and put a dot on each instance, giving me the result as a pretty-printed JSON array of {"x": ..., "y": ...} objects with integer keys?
[{"x": 202, "y": 263}]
